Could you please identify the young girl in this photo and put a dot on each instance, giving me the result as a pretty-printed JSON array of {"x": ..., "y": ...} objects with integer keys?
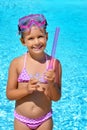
[{"x": 30, "y": 82}]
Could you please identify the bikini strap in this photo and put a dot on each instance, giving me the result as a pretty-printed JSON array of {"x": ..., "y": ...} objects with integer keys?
[{"x": 25, "y": 57}]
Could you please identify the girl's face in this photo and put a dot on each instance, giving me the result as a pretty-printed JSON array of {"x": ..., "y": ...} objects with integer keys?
[{"x": 35, "y": 40}]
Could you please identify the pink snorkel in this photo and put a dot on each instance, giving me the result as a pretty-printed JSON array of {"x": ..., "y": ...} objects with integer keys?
[{"x": 54, "y": 47}]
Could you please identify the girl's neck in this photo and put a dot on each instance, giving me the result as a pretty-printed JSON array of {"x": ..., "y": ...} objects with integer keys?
[{"x": 40, "y": 58}]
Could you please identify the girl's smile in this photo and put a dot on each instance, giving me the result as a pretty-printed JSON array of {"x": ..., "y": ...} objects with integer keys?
[{"x": 37, "y": 48}]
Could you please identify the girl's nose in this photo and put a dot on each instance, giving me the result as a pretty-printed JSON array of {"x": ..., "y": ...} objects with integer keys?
[{"x": 37, "y": 41}]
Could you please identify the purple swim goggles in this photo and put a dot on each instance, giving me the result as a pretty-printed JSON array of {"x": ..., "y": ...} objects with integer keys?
[{"x": 26, "y": 22}]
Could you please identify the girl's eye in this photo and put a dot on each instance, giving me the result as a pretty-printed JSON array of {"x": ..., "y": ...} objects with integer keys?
[
  {"x": 30, "y": 38},
  {"x": 41, "y": 36}
]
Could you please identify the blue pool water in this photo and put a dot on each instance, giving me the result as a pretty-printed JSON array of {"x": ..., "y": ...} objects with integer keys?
[{"x": 70, "y": 113}]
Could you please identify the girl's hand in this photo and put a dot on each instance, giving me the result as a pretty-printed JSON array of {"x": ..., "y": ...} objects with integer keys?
[
  {"x": 50, "y": 76},
  {"x": 32, "y": 85}
]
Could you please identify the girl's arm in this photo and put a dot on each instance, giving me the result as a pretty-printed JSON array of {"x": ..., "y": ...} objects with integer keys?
[
  {"x": 12, "y": 90},
  {"x": 54, "y": 82}
]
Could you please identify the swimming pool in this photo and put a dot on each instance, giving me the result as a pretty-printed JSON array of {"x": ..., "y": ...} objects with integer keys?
[{"x": 70, "y": 112}]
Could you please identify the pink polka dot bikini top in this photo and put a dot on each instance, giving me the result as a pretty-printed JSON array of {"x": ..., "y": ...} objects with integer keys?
[{"x": 25, "y": 77}]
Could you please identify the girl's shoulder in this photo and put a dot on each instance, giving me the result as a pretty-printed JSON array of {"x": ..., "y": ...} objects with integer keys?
[
  {"x": 16, "y": 62},
  {"x": 58, "y": 65},
  {"x": 57, "y": 61}
]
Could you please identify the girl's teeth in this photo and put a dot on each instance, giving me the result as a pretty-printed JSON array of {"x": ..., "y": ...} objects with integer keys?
[{"x": 37, "y": 47}]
